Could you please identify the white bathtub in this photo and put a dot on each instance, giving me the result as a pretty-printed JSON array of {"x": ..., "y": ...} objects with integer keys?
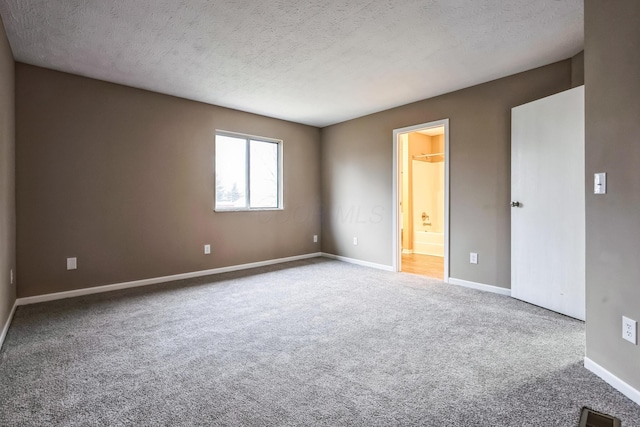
[{"x": 428, "y": 243}]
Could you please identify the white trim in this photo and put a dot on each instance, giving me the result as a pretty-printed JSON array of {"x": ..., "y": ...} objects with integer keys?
[
  {"x": 154, "y": 280},
  {"x": 5, "y": 329},
  {"x": 395, "y": 202},
  {"x": 480, "y": 286},
  {"x": 612, "y": 380},
  {"x": 247, "y": 135},
  {"x": 358, "y": 262},
  {"x": 427, "y": 253}
]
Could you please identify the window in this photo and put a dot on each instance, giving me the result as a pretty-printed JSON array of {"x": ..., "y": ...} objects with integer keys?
[{"x": 248, "y": 172}]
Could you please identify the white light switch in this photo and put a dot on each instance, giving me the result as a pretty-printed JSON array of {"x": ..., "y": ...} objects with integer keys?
[
  {"x": 355, "y": 241},
  {"x": 315, "y": 238},
  {"x": 473, "y": 257},
  {"x": 600, "y": 183},
  {"x": 207, "y": 249},
  {"x": 72, "y": 263}
]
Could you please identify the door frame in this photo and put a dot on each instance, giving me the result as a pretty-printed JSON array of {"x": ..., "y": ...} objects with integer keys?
[{"x": 397, "y": 190}]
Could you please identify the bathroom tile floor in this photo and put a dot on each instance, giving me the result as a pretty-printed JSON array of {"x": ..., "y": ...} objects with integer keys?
[{"x": 425, "y": 265}]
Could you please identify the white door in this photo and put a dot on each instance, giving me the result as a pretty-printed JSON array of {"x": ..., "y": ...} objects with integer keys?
[{"x": 548, "y": 191}]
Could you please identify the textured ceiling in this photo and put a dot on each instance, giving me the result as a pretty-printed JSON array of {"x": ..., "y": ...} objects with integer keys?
[{"x": 310, "y": 61}]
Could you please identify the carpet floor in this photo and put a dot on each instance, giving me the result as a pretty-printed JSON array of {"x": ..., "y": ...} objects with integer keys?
[{"x": 313, "y": 342}]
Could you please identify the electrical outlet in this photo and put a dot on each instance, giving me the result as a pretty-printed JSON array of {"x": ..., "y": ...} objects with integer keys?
[
  {"x": 315, "y": 238},
  {"x": 473, "y": 257},
  {"x": 629, "y": 329},
  {"x": 11, "y": 276},
  {"x": 355, "y": 241},
  {"x": 72, "y": 263},
  {"x": 207, "y": 249}
]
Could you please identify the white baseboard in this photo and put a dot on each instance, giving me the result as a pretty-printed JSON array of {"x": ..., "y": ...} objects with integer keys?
[
  {"x": 612, "y": 380},
  {"x": 427, "y": 253},
  {"x": 358, "y": 262},
  {"x": 5, "y": 329},
  {"x": 154, "y": 280},
  {"x": 407, "y": 251},
  {"x": 480, "y": 286}
]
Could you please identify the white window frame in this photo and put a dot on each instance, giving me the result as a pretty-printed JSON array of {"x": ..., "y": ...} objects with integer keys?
[{"x": 248, "y": 138}]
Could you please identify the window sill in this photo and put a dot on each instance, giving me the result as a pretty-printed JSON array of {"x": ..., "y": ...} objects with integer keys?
[{"x": 247, "y": 210}]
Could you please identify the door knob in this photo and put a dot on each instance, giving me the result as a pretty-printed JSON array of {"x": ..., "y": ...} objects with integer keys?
[{"x": 515, "y": 204}]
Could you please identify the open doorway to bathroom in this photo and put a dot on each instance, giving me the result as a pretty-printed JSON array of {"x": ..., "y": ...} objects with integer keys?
[{"x": 421, "y": 184}]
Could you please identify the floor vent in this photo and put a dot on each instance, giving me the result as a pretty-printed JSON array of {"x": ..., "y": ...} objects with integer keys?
[{"x": 591, "y": 418}]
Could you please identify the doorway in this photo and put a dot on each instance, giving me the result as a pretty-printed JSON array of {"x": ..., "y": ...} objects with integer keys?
[{"x": 421, "y": 199}]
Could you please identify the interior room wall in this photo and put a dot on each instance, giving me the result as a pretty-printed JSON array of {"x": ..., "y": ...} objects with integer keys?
[
  {"x": 7, "y": 179},
  {"x": 577, "y": 69},
  {"x": 612, "y": 67},
  {"x": 418, "y": 144},
  {"x": 428, "y": 193},
  {"x": 437, "y": 144},
  {"x": 357, "y": 173},
  {"x": 426, "y": 183},
  {"x": 122, "y": 179},
  {"x": 424, "y": 178},
  {"x": 429, "y": 187}
]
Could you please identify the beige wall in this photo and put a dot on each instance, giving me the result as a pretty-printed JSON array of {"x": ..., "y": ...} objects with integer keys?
[
  {"x": 357, "y": 173},
  {"x": 437, "y": 145},
  {"x": 612, "y": 70},
  {"x": 419, "y": 144},
  {"x": 416, "y": 144},
  {"x": 428, "y": 197},
  {"x": 123, "y": 179},
  {"x": 7, "y": 179}
]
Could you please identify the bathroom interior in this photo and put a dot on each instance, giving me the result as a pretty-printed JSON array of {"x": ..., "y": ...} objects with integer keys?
[{"x": 422, "y": 168}]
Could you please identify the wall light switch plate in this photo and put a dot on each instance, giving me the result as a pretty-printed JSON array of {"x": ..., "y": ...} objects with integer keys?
[
  {"x": 473, "y": 258},
  {"x": 629, "y": 330},
  {"x": 355, "y": 241},
  {"x": 207, "y": 249},
  {"x": 600, "y": 183},
  {"x": 315, "y": 238},
  {"x": 11, "y": 276},
  {"x": 72, "y": 263}
]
